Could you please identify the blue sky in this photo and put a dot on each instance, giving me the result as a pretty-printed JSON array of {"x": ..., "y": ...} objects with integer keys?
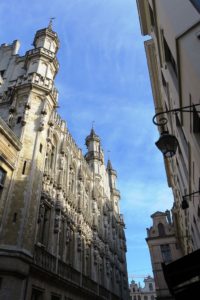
[{"x": 103, "y": 77}]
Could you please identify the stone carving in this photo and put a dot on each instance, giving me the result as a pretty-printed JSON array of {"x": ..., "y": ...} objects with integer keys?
[
  {"x": 10, "y": 120},
  {"x": 42, "y": 123}
]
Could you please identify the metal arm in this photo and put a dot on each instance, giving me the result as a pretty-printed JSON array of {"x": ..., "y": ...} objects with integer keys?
[
  {"x": 198, "y": 192},
  {"x": 163, "y": 120}
]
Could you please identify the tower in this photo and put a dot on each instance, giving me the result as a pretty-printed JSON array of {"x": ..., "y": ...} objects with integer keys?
[
  {"x": 94, "y": 156},
  {"x": 59, "y": 235},
  {"x": 27, "y": 100}
]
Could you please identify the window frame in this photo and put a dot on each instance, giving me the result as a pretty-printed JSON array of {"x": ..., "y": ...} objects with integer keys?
[{"x": 2, "y": 177}]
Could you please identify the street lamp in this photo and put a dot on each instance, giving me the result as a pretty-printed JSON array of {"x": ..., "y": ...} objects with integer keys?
[
  {"x": 185, "y": 203},
  {"x": 168, "y": 143}
]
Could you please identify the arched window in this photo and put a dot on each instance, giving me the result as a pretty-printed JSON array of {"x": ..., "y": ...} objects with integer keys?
[
  {"x": 161, "y": 229},
  {"x": 150, "y": 286},
  {"x": 48, "y": 44},
  {"x": 43, "y": 69}
]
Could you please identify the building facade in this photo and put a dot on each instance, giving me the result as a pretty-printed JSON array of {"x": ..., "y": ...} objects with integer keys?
[
  {"x": 174, "y": 68},
  {"x": 148, "y": 292},
  {"x": 61, "y": 232},
  {"x": 164, "y": 248}
]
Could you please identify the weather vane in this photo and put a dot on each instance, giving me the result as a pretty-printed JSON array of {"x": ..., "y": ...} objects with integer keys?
[
  {"x": 93, "y": 124},
  {"x": 51, "y": 22},
  {"x": 108, "y": 154}
]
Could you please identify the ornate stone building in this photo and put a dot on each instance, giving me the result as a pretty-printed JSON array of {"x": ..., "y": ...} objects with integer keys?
[
  {"x": 61, "y": 233},
  {"x": 164, "y": 248},
  {"x": 148, "y": 292}
]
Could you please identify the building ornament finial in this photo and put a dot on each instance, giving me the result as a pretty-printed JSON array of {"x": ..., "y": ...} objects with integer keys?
[
  {"x": 93, "y": 124},
  {"x": 51, "y": 23}
]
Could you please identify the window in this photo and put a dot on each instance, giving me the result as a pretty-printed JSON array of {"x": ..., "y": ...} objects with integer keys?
[
  {"x": 199, "y": 211},
  {"x": 151, "y": 16},
  {"x": 196, "y": 4},
  {"x": 166, "y": 253},
  {"x": 44, "y": 224},
  {"x": 150, "y": 286},
  {"x": 145, "y": 298},
  {"x": 2, "y": 178},
  {"x": 24, "y": 168},
  {"x": 19, "y": 119},
  {"x": 161, "y": 229},
  {"x": 184, "y": 142},
  {"x": 164, "y": 82},
  {"x": 41, "y": 146},
  {"x": 196, "y": 121},
  {"x": 152, "y": 297},
  {"x": 169, "y": 57},
  {"x": 2, "y": 73}
]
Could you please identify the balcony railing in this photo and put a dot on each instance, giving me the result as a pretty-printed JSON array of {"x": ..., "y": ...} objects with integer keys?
[
  {"x": 49, "y": 263},
  {"x": 37, "y": 79},
  {"x": 43, "y": 51}
]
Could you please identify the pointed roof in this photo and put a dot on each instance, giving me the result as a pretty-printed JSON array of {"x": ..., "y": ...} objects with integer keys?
[
  {"x": 92, "y": 137},
  {"x": 109, "y": 165},
  {"x": 110, "y": 169}
]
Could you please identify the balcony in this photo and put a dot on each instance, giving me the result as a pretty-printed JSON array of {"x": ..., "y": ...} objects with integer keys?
[
  {"x": 42, "y": 51},
  {"x": 37, "y": 80},
  {"x": 94, "y": 155},
  {"x": 51, "y": 264}
]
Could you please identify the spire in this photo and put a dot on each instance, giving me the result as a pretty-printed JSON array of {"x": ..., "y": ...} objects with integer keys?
[
  {"x": 110, "y": 169},
  {"x": 50, "y": 23},
  {"x": 94, "y": 156},
  {"x": 109, "y": 165},
  {"x": 92, "y": 137}
]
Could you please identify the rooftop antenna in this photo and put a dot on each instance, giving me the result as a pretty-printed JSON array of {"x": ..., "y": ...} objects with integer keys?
[
  {"x": 51, "y": 22},
  {"x": 93, "y": 124}
]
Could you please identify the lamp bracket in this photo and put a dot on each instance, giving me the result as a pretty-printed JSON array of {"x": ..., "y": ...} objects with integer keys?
[
  {"x": 163, "y": 120},
  {"x": 197, "y": 192}
]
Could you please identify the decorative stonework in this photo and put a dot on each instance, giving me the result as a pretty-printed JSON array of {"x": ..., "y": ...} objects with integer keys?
[{"x": 67, "y": 203}]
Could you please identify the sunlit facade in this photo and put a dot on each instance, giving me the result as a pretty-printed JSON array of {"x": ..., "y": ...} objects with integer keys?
[
  {"x": 61, "y": 232},
  {"x": 174, "y": 68}
]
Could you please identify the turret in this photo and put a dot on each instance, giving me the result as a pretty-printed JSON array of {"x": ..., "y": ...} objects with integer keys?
[
  {"x": 29, "y": 99},
  {"x": 115, "y": 194},
  {"x": 46, "y": 38},
  {"x": 42, "y": 59},
  {"x": 112, "y": 175},
  {"x": 94, "y": 156}
]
